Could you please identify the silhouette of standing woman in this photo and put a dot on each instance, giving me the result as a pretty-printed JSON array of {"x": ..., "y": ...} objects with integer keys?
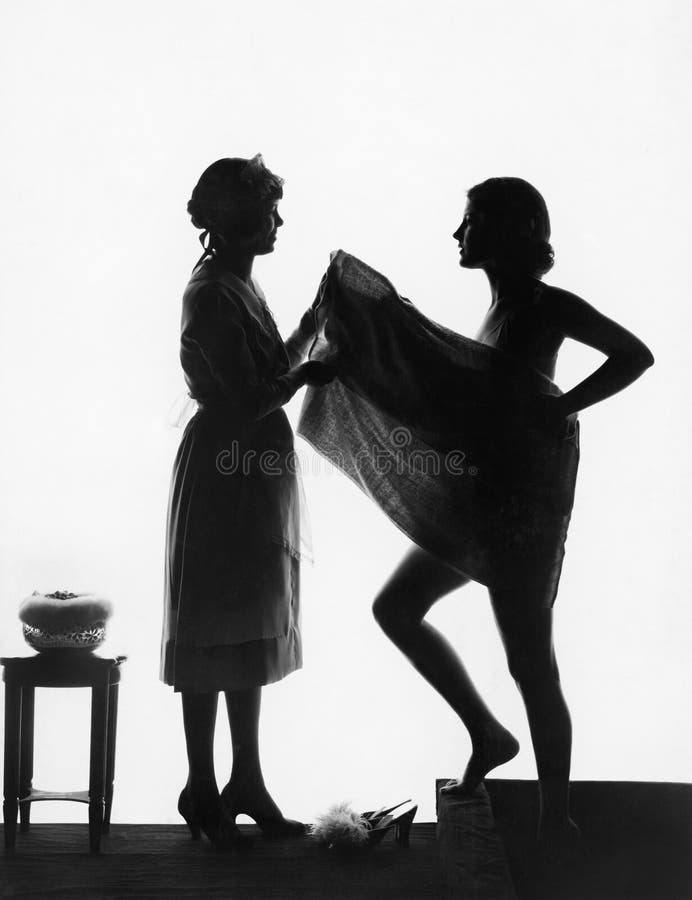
[
  {"x": 231, "y": 615},
  {"x": 505, "y": 232}
]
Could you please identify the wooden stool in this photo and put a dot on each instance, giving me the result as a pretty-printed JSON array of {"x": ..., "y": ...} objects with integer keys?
[{"x": 59, "y": 669}]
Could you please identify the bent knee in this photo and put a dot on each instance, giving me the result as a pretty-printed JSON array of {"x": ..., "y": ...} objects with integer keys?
[
  {"x": 384, "y": 609},
  {"x": 392, "y": 613}
]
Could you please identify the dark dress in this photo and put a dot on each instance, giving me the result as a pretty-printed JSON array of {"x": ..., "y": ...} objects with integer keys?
[
  {"x": 433, "y": 426},
  {"x": 231, "y": 605}
]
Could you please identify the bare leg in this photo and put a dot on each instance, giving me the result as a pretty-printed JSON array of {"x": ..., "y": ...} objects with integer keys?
[
  {"x": 526, "y": 631},
  {"x": 400, "y": 609},
  {"x": 246, "y": 791}
]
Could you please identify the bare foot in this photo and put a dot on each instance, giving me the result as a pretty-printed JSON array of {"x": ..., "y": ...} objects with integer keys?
[
  {"x": 254, "y": 800},
  {"x": 495, "y": 747}
]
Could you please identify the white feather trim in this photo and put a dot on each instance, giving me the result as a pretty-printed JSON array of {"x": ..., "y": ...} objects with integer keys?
[{"x": 340, "y": 826}]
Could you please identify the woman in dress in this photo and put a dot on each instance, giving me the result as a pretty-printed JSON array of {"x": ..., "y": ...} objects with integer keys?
[
  {"x": 231, "y": 613},
  {"x": 505, "y": 232}
]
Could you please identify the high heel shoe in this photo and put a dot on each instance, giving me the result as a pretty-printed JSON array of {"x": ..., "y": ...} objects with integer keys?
[
  {"x": 277, "y": 828},
  {"x": 382, "y": 820},
  {"x": 186, "y": 810},
  {"x": 222, "y": 832},
  {"x": 270, "y": 826}
]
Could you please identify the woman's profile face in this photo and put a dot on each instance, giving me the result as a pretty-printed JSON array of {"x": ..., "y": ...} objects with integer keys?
[
  {"x": 477, "y": 237},
  {"x": 264, "y": 241}
]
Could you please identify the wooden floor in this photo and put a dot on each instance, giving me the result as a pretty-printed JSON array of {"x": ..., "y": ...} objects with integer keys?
[
  {"x": 637, "y": 846},
  {"x": 143, "y": 861}
]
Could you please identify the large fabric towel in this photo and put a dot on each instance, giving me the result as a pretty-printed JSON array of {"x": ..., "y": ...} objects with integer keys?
[{"x": 434, "y": 427}]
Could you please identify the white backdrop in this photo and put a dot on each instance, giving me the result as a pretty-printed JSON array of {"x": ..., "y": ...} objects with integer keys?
[{"x": 379, "y": 115}]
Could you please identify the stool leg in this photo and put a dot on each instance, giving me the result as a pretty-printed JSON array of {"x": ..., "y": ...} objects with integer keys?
[
  {"x": 97, "y": 765},
  {"x": 110, "y": 754},
  {"x": 13, "y": 725},
  {"x": 26, "y": 756}
]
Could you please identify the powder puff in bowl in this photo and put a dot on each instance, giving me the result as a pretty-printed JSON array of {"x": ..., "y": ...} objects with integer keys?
[{"x": 64, "y": 620}]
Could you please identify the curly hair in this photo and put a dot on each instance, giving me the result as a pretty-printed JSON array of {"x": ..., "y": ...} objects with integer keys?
[
  {"x": 522, "y": 214},
  {"x": 232, "y": 200}
]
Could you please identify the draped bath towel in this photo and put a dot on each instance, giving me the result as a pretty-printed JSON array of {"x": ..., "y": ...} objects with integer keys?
[{"x": 433, "y": 426}]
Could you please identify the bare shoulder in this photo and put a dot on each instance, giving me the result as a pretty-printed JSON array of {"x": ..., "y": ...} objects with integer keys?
[
  {"x": 566, "y": 310},
  {"x": 562, "y": 301},
  {"x": 575, "y": 318}
]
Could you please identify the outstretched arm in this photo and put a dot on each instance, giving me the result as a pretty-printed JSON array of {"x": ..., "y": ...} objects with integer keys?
[
  {"x": 216, "y": 328},
  {"x": 627, "y": 356},
  {"x": 299, "y": 342}
]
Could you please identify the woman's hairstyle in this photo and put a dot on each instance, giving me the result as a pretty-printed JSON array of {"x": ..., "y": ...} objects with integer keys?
[
  {"x": 524, "y": 223},
  {"x": 232, "y": 200}
]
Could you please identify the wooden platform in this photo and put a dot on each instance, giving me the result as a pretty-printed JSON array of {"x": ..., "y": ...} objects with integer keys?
[{"x": 636, "y": 841}]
